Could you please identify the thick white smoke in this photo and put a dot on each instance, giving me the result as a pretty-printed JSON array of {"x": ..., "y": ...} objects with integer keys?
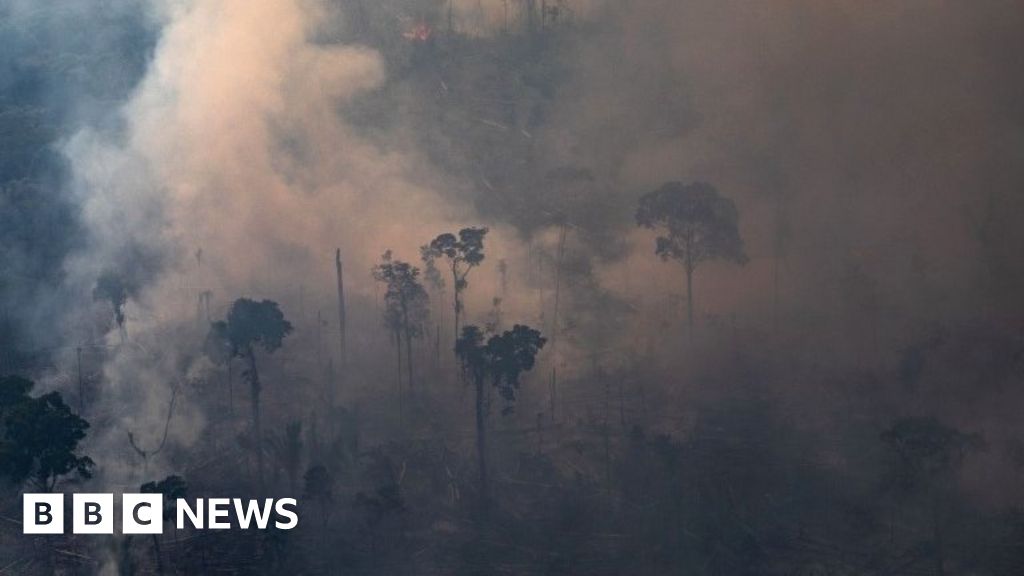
[{"x": 235, "y": 144}]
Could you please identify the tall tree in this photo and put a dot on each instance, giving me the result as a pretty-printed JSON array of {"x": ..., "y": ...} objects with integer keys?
[
  {"x": 406, "y": 302},
  {"x": 436, "y": 282},
  {"x": 39, "y": 436},
  {"x": 699, "y": 225},
  {"x": 342, "y": 322},
  {"x": 285, "y": 449},
  {"x": 500, "y": 362},
  {"x": 463, "y": 253},
  {"x": 171, "y": 488},
  {"x": 251, "y": 325},
  {"x": 218, "y": 348}
]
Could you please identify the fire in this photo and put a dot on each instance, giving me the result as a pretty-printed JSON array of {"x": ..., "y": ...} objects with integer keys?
[{"x": 418, "y": 33}]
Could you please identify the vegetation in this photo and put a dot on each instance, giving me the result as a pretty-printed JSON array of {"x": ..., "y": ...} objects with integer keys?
[
  {"x": 251, "y": 325},
  {"x": 39, "y": 437},
  {"x": 699, "y": 225},
  {"x": 499, "y": 362},
  {"x": 846, "y": 405},
  {"x": 463, "y": 253}
]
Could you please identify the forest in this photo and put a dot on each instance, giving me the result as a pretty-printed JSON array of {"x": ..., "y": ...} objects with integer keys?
[{"x": 525, "y": 287}]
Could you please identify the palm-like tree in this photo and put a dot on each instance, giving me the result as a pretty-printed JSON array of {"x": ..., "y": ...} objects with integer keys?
[
  {"x": 251, "y": 325},
  {"x": 501, "y": 362}
]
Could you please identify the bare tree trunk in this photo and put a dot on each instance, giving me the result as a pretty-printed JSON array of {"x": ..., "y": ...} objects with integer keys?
[
  {"x": 554, "y": 320},
  {"x": 408, "y": 357},
  {"x": 342, "y": 351},
  {"x": 551, "y": 392},
  {"x": 689, "y": 299},
  {"x": 231, "y": 393},
  {"x": 408, "y": 342},
  {"x": 254, "y": 382},
  {"x": 81, "y": 387},
  {"x": 159, "y": 556},
  {"x": 457, "y": 303},
  {"x": 481, "y": 445},
  {"x": 398, "y": 373}
]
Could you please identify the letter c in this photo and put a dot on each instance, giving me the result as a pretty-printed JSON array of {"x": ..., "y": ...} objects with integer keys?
[{"x": 138, "y": 519}]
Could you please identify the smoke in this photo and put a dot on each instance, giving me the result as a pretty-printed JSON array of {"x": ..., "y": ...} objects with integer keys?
[
  {"x": 873, "y": 151},
  {"x": 236, "y": 172},
  {"x": 859, "y": 141}
]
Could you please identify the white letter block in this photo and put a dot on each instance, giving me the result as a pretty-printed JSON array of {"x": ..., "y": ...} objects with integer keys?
[
  {"x": 92, "y": 514},
  {"x": 42, "y": 514},
  {"x": 142, "y": 514}
]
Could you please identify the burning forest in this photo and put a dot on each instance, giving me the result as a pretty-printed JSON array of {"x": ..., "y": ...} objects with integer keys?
[{"x": 532, "y": 287}]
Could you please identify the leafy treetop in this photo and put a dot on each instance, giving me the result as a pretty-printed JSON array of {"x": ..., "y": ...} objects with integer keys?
[
  {"x": 38, "y": 436},
  {"x": 699, "y": 223}
]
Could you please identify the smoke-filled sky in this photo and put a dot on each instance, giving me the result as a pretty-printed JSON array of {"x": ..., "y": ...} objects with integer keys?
[
  {"x": 874, "y": 150},
  {"x": 883, "y": 134}
]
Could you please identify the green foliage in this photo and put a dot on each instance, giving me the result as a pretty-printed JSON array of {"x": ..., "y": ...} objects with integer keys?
[
  {"x": 252, "y": 323},
  {"x": 463, "y": 252},
  {"x": 38, "y": 436},
  {"x": 172, "y": 488},
  {"x": 699, "y": 223},
  {"x": 406, "y": 301},
  {"x": 503, "y": 358},
  {"x": 430, "y": 271}
]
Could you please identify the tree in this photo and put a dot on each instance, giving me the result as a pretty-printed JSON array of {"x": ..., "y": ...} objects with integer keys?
[
  {"x": 286, "y": 450},
  {"x": 928, "y": 455},
  {"x": 39, "y": 436},
  {"x": 699, "y": 224},
  {"x": 172, "y": 488},
  {"x": 436, "y": 282},
  {"x": 501, "y": 362},
  {"x": 251, "y": 325},
  {"x": 218, "y": 348},
  {"x": 463, "y": 254},
  {"x": 406, "y": 303},
  {"x": 318, "y": 487}
]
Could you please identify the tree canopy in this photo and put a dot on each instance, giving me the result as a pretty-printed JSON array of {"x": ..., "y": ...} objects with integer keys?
[
  {"x": 251, "y": 323},
  {"x": 699, "y": 224},
  {"x": 39, "y": 436},
  {"x": 503, "y": 358}
]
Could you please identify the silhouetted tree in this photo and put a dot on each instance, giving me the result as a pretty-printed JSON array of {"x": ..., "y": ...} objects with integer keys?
[
  {"x": 38, "y": 436},
  {"x": 249, "y": 325},
  {"x": 406, "y": 302},
  {"x": 501, "y": 361},
  {"x": 463, "y": 253},
  {"x": 928, "y": 455},
  {"x": 699, "y": 224},
  {"x": 436, "y": 283},
  {"x": 286, "y": 450},
  {"x": 218, "y": 348},
  {"x": 172, "y": 488},
  {"x": 318, "y": 487}
]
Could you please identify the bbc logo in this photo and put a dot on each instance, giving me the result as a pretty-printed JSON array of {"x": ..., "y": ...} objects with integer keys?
[
  {"x": 92, "y": 514},
  {"x": 144, "y": 513}
]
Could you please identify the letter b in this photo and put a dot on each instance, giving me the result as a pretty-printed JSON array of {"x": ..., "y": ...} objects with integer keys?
[
  {"x": 43, "y": 514},
  {"x": 93, "y": 514}
]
